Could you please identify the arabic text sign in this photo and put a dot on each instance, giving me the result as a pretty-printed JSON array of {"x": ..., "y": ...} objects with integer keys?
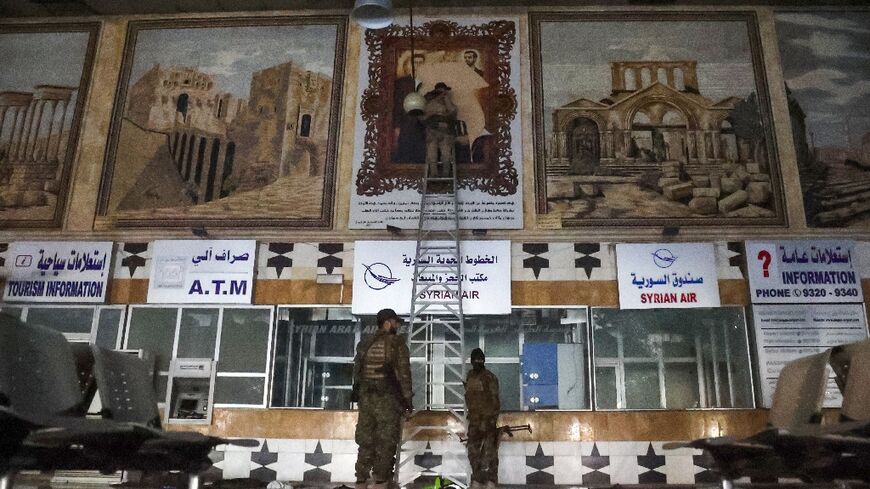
[
  {"x": 672, "y": 275},
  {"x": 803, "y": 272},
  {"x": 58, "y": 271},
  {"x": 383, "y": 276},
  {"x": 193, "y": 271},
  {"x": 789, "y": 331}
]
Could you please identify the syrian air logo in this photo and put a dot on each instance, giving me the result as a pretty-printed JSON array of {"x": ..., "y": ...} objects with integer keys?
[
  {"x": 663, "y": 258},
  {"x": 378, "y": 276}
]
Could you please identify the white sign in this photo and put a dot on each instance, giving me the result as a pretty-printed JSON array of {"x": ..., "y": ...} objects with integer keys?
[
  {"x": 803, "y": 271},
  {"x": 383, "y": 276},
  {"x": 789, "y": 331},
  {"x": 58, "y": 271},
  {"x": 673, "y": 275},
  {"x": 195, "y": 271}
]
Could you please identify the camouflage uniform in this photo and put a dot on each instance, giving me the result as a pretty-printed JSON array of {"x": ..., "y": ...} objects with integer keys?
[
  {"x": 481, "y": 399},
  {"x": 382, "y": 399}
]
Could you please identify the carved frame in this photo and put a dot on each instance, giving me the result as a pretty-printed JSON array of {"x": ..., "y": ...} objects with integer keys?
[{"x": 377, "y": 176}]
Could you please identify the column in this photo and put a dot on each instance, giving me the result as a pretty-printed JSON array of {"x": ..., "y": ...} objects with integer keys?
[
  {"x": 654, "y": 74},
  {"x": 616, "y": 76},
  {"x": 717, "y": 141},
  {"x": 50, "y": 130},
  {"x": 21, "y": 132},
  {"x": 626, "y": 138},
  {"x": 638, "y": 78},
  {"x": 3, "y": 111},
  {"x": 60, "y": 138},
  {"x": 37, "y": 129},
  {"x": 671, "y": 82},
  {"x": 24, "y": 144}
]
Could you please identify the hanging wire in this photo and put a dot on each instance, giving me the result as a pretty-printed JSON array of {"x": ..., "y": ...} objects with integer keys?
[{"x": 413, "y": 61}]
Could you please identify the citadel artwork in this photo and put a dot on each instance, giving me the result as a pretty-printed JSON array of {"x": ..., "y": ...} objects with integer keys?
[
  {"x": 245, "y": 132},
  {"x": 39, "y": 117},
  {"x": 676, "y": 132}
]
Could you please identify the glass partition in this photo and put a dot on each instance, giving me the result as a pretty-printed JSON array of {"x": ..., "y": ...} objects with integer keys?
[{"x": 671, "y": 358}]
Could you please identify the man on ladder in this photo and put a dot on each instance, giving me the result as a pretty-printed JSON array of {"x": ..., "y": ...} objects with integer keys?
[{"x": 382, "y": 387}]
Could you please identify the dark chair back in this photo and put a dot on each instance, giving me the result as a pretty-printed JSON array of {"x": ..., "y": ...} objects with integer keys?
[
  {"x": 38, "y": 373},
  {"x": 126, "y": 388},
  {"x": 84, "y": 359}
]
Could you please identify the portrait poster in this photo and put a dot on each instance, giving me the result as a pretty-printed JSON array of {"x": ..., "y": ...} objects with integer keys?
[
  {"x": 225, "y": 122},
  {"x": 824, "y": 57},
  {"x": 44, "y": 81},
  {"x": 655, "y": 118},
  {"x": 474, "y": 60}
]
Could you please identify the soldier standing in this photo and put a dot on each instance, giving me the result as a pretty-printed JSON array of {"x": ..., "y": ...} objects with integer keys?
[
  {"x": 382, "y": 387},
  {"x": 482, "y": 401},
  {"x": 440, "y": 117}
]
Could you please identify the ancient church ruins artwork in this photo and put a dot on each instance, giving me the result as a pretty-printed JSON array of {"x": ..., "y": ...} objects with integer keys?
[
  {"x": 40, "y": 113},
  {"x": 653, "y": 118},
  {"x": 225, "y": 123},
  {"x": 473, "y": 63},
  {"x": 826, "y": 65}
]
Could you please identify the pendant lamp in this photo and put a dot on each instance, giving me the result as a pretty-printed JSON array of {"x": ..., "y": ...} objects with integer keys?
[{"x": 372, "y": 14}]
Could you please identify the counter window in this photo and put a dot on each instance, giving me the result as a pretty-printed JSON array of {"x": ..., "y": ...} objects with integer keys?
[
  {"x": 236, "y": 337},
  {"x": 671, "y": 359},
  {"x": 97, "y": 325},
  {"x": 315, "y": 348}
]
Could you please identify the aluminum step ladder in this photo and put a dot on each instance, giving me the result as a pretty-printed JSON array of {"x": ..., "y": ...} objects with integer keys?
[{"x": 436, "y": 328}]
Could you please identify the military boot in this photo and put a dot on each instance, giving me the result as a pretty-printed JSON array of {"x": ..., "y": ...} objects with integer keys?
[
  {"x": 476, "y": 485},
  {"x": 361, "y": 485},
  {"x": 491, "y": 485},
  {"x": 380, "y": 485}
]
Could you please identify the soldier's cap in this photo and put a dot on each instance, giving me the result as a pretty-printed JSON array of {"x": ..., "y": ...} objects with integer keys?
[
  {"x": 477, "y": 354},
  {"x": 441, "y": 85},
  {"x": 385, "y": 314}
]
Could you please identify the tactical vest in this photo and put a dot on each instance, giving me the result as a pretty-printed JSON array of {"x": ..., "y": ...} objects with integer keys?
[{"x": 374, "y": 361}]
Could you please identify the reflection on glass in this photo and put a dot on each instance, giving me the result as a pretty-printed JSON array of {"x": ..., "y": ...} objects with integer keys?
[
  {"x": 108, "y": 326},
  {"x": 63, "y": 319},
  {"x": 701, "y": 355},
  {"x": 642, "y": 386},
  {"x": 244, "y": 340},
  {"x": 153, "y": 329},
  {"x": 239, "y": 390},
  {"x": 197, "y": 333}
]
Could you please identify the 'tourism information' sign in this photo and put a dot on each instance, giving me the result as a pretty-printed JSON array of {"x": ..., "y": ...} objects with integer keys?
[
  {"x": 194, "y": 271},
  {"x": 803, "y": 271},
  {"x": 383, "y": 276},
  {"x": 788, "y": 331},
  {"x": 672, "y": 275},
  {"x": 58, "y": 271}
]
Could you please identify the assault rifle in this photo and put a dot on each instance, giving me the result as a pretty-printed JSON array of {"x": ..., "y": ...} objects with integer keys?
[{"x": 504, "y": 429}]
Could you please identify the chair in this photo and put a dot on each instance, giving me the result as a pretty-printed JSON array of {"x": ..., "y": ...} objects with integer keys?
[
  {"x": 797, "y": 403},
  {"x": 41, "y": 394},
  {"x": 127, "y": 394}
]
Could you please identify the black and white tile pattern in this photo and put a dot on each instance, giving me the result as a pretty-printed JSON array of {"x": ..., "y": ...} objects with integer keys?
[
  {"x": 132, "y": 260},
  {"x": 590, "y": 464}
]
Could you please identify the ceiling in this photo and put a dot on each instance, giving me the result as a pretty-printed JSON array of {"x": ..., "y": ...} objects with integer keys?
[{"x": 51, "y": 8}]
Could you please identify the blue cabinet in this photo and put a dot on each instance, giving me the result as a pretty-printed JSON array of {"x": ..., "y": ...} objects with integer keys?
[{"x": 553, "y": 376}]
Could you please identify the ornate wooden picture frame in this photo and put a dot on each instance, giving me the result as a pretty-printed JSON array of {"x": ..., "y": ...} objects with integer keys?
[
  {"x": 653, "y": 119},
  {"x": 43, "y": 89},
  {"x": 475, "y": 62},
  {"x": 226, "y": 123}
]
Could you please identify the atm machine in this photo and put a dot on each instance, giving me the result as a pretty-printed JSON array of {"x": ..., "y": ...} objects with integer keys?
[{"x": 190, "y": 391}]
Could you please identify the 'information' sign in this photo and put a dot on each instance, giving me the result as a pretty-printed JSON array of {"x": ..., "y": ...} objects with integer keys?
[{"x": 58, "y": 271}]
